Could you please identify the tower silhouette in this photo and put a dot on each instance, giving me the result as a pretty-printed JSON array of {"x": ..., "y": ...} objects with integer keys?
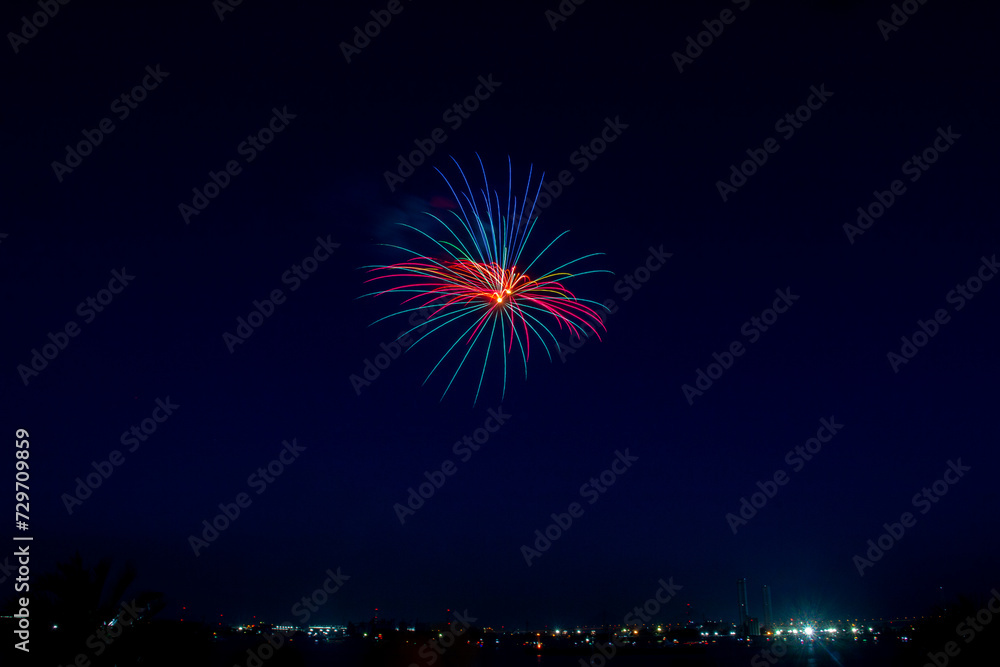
[
  {"x": 766, "y": 593},
  {"x": 741, "y": 593}
]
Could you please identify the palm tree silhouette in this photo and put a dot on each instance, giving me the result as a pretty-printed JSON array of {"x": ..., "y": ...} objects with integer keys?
[{"x": 73, "y": 606}]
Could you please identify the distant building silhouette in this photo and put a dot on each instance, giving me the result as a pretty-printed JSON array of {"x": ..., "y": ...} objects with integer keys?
[
  {"x": 741, "y": 592},
  {"x": 766, "y": 593}
]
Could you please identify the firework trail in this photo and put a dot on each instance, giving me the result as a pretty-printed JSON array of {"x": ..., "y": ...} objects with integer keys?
[{"x": 474, "y": 279}]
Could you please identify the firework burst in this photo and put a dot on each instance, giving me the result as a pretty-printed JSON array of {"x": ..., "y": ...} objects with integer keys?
[{"x": 480, "y": 282}]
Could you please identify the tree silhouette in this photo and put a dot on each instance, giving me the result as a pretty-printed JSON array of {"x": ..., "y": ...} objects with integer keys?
[{"x": 78, "y": 610}]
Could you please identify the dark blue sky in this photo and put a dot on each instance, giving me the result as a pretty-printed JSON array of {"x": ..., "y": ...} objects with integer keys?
[{"x": 342, "y": 125}]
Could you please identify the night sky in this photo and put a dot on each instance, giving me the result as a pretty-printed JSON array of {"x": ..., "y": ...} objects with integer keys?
[{"x": 847, "y": 113}]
